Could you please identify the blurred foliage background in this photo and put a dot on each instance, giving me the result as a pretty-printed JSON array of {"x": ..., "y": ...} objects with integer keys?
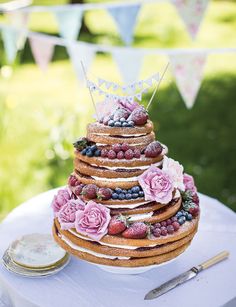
[{"x": 41, "y": 114}]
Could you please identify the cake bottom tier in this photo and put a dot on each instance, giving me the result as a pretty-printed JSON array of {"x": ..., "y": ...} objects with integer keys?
[{"x": 95, "y": 253}]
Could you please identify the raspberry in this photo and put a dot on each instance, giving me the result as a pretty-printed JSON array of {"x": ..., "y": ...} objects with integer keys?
[
  {"x": 170, "y": 229},
  {"x": 129, "y": 154},
  {"x": 168, "y": 222},
  {"x": 124, "y": 146},
  {"x": 175, "y": 225},
  {"x": 153, "y": 150},
  {"x": 78, "y": 190},
  {"x": 116, "y": 147},
  {"x": 157, "y": 225},
  {"x": 163, "y": 231},
  {"x": 73, "y": 181},
  {"x": 137, "y": 153},
  {"x": 104, "y": 153},
  {"x": 156, "y": 232},
  {"x": 120, "y": 155},
  {"x": 90, "y": 191},
  {"x": 163, "y": 223},
  {"x": 195, "y": 199},
  {"x": 111, "y": 154},
  {"x": 139, "y": 116}
]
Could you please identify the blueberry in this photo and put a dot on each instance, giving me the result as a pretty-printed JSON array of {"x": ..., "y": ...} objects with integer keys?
[
  {"x": 135, "y": 195},
  {"x": 121, "y": 196},
  {"x": 124, "y": 191},
  {"x": 130, "y": 123},
  {"x": 97, "y": 153},
  {"x": 189, "y": 217},
  {"x": 117, "y": 124},
  {"x": 129, "y": 191},
  {"x": 83, "y": 152},
  {"x": 114, "y": 196},
  {"x": 125, "y": 124},
  {"x": 181, "y": 220},
  {"x": 178, "y": 214},
  {"x": 89, "y": 153},
  {"x": 93, "y": 148},
  {"x": 141, "y": 193},
  {"x": 135, "y": 189},
  {"x": 111, "y": 123},
  {"x": 128, "y": 196},
  {"x": 122, "y": 119},
  {"x": 118, "y": 190}
]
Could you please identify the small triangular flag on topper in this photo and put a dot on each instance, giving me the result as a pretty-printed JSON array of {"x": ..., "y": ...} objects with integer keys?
[
  {"x": 140, "y": 84},
  {"x": 125, "y": 18},
  {"x": 10, "y": 37},
  {"x": 149, "y": 81},
  {"x": 188, "y": 71},
  {"x": 100, "y": 81},
  {"x": 42, "y": 50},
  {"x": 69, "y": 22},
  {"x": 129, "y": 63},
  {"x": 139, "y": 96},
  {"x": 80, "y": 52},
  {"x": 115, "y": 86},
  {"x": 19, "y": 20},
  {"x": 108, "y": 84},
  {"x": 191, "y": 12}
]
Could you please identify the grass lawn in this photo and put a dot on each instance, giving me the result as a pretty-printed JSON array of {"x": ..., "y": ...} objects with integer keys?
[{"x": 41, "y": 114}]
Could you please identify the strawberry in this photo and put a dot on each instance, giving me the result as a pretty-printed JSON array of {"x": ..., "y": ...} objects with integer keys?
[
  {"x": 90, "y": 191},
  {"x": 139, "y": 116},
  {"x": 153, "y": 150},
  {"x": 118, "y": 223},
  {"x": 104, "y": 193},
  {"x": 137, "y": 230},
  {"x": 121, "y": 112}
]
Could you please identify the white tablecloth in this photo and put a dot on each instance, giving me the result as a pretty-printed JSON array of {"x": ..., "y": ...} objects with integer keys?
[{"x": 81, "y": 284}]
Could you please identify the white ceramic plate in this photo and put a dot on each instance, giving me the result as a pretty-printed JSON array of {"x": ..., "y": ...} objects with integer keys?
[
  {"x": 130, "y": 271},
  {"x": 36, "y": 251}
]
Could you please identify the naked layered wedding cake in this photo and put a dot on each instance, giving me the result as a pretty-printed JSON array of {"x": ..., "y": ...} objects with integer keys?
[{"x": 127, "y": 203}]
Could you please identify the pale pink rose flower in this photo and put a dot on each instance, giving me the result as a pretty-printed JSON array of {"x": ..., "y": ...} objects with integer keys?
[
  {"x": 66, "y": 216},
  {"x": 189, "y": 183},
  {"x": 175, "y": 170},
  {"x": 93, "y": 221},
  {"x": 59, "y": 200},
  {"x": 157, "y": 185}
]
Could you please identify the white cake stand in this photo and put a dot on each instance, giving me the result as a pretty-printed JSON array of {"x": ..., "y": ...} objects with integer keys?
[{"x": 131, "y": 270}]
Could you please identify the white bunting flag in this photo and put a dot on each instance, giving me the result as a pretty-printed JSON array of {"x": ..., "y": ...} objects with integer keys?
[
  {"x": 100, "y": 81},
  {"x": 139, "y": 96},
  {"x": 125, "y": 18},
  {"x": 69, "y": 22},
  {"x": 42, "y": 50},
  {"x": 19, "y": 20},
  {"x": 80, "y": 52},
  {"x": 10, "y": 37},
  {"x": 129, "y": 63},
  {"x": 191, "y": 12},
  {"x": 188, "y": 71}
]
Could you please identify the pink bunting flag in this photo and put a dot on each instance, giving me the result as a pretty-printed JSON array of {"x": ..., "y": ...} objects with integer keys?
[
  {"x": 42, "y": 50},
  {"x": 191, "y": 12},
  {"x": 188, "y": 71}
]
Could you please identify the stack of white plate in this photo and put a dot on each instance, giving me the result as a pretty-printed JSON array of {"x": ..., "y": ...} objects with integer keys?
[{"x": 35, "y": 255}]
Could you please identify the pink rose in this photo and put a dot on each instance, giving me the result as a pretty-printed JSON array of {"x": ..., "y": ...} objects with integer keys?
[
  {"x": 129, "y": 106},
  {"x": 175, "y": 170},
  {"x": 189, "y": 183},
  {"x": 66, "y": 216},
  {"x": 157, "y": 185},
  {"x": 60, "y": 200},
  {"x": 93, "y": 221}
]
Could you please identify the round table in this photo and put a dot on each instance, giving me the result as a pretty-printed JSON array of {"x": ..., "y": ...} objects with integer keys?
[{"x": 82, "y": 284}]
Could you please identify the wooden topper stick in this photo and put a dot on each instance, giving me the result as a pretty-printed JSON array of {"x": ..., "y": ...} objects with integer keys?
[
  {"x": 158, "y": 85},
  {"x": 90, "y": 92}
]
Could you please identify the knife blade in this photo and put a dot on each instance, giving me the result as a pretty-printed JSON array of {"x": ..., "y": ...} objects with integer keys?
[{"x": 180, "y": 279}]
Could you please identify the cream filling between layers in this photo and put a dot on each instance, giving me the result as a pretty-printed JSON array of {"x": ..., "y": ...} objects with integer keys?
[
  {"x": 132, "y": 206},
  {"x": 143, "y": 167},
  {"x": 85, "y": 250},
  {"x": 115, "y": 179},
  {"x": 106, "y": 244},
  {"x": 136, "y": 217},
  {"x": 122, "y": 135}
]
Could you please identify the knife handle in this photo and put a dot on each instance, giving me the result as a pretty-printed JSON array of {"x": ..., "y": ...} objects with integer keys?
[{"x": 221, "y": 256}]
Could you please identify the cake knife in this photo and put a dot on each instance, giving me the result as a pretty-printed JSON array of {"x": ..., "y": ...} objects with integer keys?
[{"x": 178, "y": 280}]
